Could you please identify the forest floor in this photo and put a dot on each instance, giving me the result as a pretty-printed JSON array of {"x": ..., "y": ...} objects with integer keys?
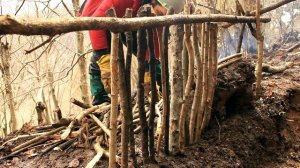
[{"x": 260, "y": 133}]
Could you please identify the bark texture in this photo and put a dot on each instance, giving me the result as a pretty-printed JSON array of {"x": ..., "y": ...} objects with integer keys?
[
  {"x": 176, "y": 80},
  {"x": 15, "y": 25},
  {"x": 6, "y": 71}
]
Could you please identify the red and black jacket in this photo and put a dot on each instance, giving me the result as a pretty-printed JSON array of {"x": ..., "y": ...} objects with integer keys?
[{"x": 97, "y": 8}]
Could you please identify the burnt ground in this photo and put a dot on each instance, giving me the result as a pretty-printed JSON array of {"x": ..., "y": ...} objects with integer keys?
[{"x": 260, "y": 133}]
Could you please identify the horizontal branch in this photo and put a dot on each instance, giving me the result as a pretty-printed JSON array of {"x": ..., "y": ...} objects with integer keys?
[
  {"x": 22, "y": 26},
  {"x": 272, "y": 7}
]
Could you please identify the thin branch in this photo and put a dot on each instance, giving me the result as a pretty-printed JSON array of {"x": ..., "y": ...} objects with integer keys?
[
  {"x": 65, "y": 6},
  {"x": 19, "y": 7},
  {"x": 40, "y": 45}
]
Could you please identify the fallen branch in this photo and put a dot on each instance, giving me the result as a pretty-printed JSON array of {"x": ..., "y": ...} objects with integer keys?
[
  {"x": 65, "y": 145},
  {"x": 276, "y": 69},
  {"x": 229, "y": 58},
  {"x": 23, "y": 149},
  {"x": 293, "y": 47},
  {"x": 36, "y": 139},
  {"x": 98, "y": 156},
  {"x": 15, "y": 25},
  {"x": 79, "y": 117},
  {"x": 19, "y": 137},
  {"x": 231, "y": 61},
  {"x": 79, "y": 103},
  {"x": 102, "y": 126}
]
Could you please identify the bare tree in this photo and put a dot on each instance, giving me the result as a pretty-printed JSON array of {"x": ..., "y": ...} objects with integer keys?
[
  {"x": 82, "y": 61},
  {"x": 5, "y": 68}
]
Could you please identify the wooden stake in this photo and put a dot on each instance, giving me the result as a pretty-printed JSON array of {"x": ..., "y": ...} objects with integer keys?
[
  {"x": 114, "y": 94},
  {"x": 124, "y": 102},
  {"x": 260, "y": 44},
  {"x": 141, "y": 52},
  {"x": 152, "y": 64},
  {"x": 197, "y": 95},
  {"x": 204, "y": 83},
  {"x": 213, "y": 58},
  {"x": 188, "y": 87},
  {"x": 176, "y": 85},
  {"x": 129, "y": 43},
  {"x": 165, "y": 87}
]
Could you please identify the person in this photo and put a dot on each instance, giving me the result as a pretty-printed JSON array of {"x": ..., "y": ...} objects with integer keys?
[{"x": 99, "y": 68}]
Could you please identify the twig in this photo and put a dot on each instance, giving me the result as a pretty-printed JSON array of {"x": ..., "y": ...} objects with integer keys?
[
  {"x": 293, "y": 47},
  {"x": 40, "y": 45}
]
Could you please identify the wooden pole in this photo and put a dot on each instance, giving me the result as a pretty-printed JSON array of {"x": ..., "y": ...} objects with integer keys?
[
  {"x": 129, "y": 44},
  {"x": 197, "y": 95},
  {"x": 114, "y": 95},
  {"x": 124, "y": 102},
  {"x": 152, "y": 63},
  {"x": 204, "y": 82},
  {"x": 141, "y": 53},
  {"x": 260, "y": 44},
  {"x": 176, "y": 85},
  {"x": 15, "y": 25},
  {"x": 213, "y": 58},
  {"x": 188, "y": 86}
]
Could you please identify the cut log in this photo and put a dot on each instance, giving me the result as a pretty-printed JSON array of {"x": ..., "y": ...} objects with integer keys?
[{"x": 15, "y": 25}]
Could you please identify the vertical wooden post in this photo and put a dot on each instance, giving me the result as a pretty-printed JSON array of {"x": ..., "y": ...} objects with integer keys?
[
  {"x": 141, "y": 53},
  {"x": 129, "y": 44},
  {"x": 197, "y": 95},
  {"x": 260, "y": 44},
  {"x": 204, "y": 82},
  {"x": 152, "y": 63},
  {"x": 189, "y": 83},
  {"x": 176, "y": 85},
  {"x": 213, "y": 59},
  {"x": 114, "y": 94},
  {"x": 124, "y": 107}
]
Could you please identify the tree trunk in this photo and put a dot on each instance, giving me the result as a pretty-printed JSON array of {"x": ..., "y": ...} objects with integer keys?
[
  {"x": 175, "y": 51},
  {"x": 57, "y": 112},
  {"x": 5, "y": 62},
  {"x": 82, "y": 62},
  {"x": 260, "y": 44}
]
